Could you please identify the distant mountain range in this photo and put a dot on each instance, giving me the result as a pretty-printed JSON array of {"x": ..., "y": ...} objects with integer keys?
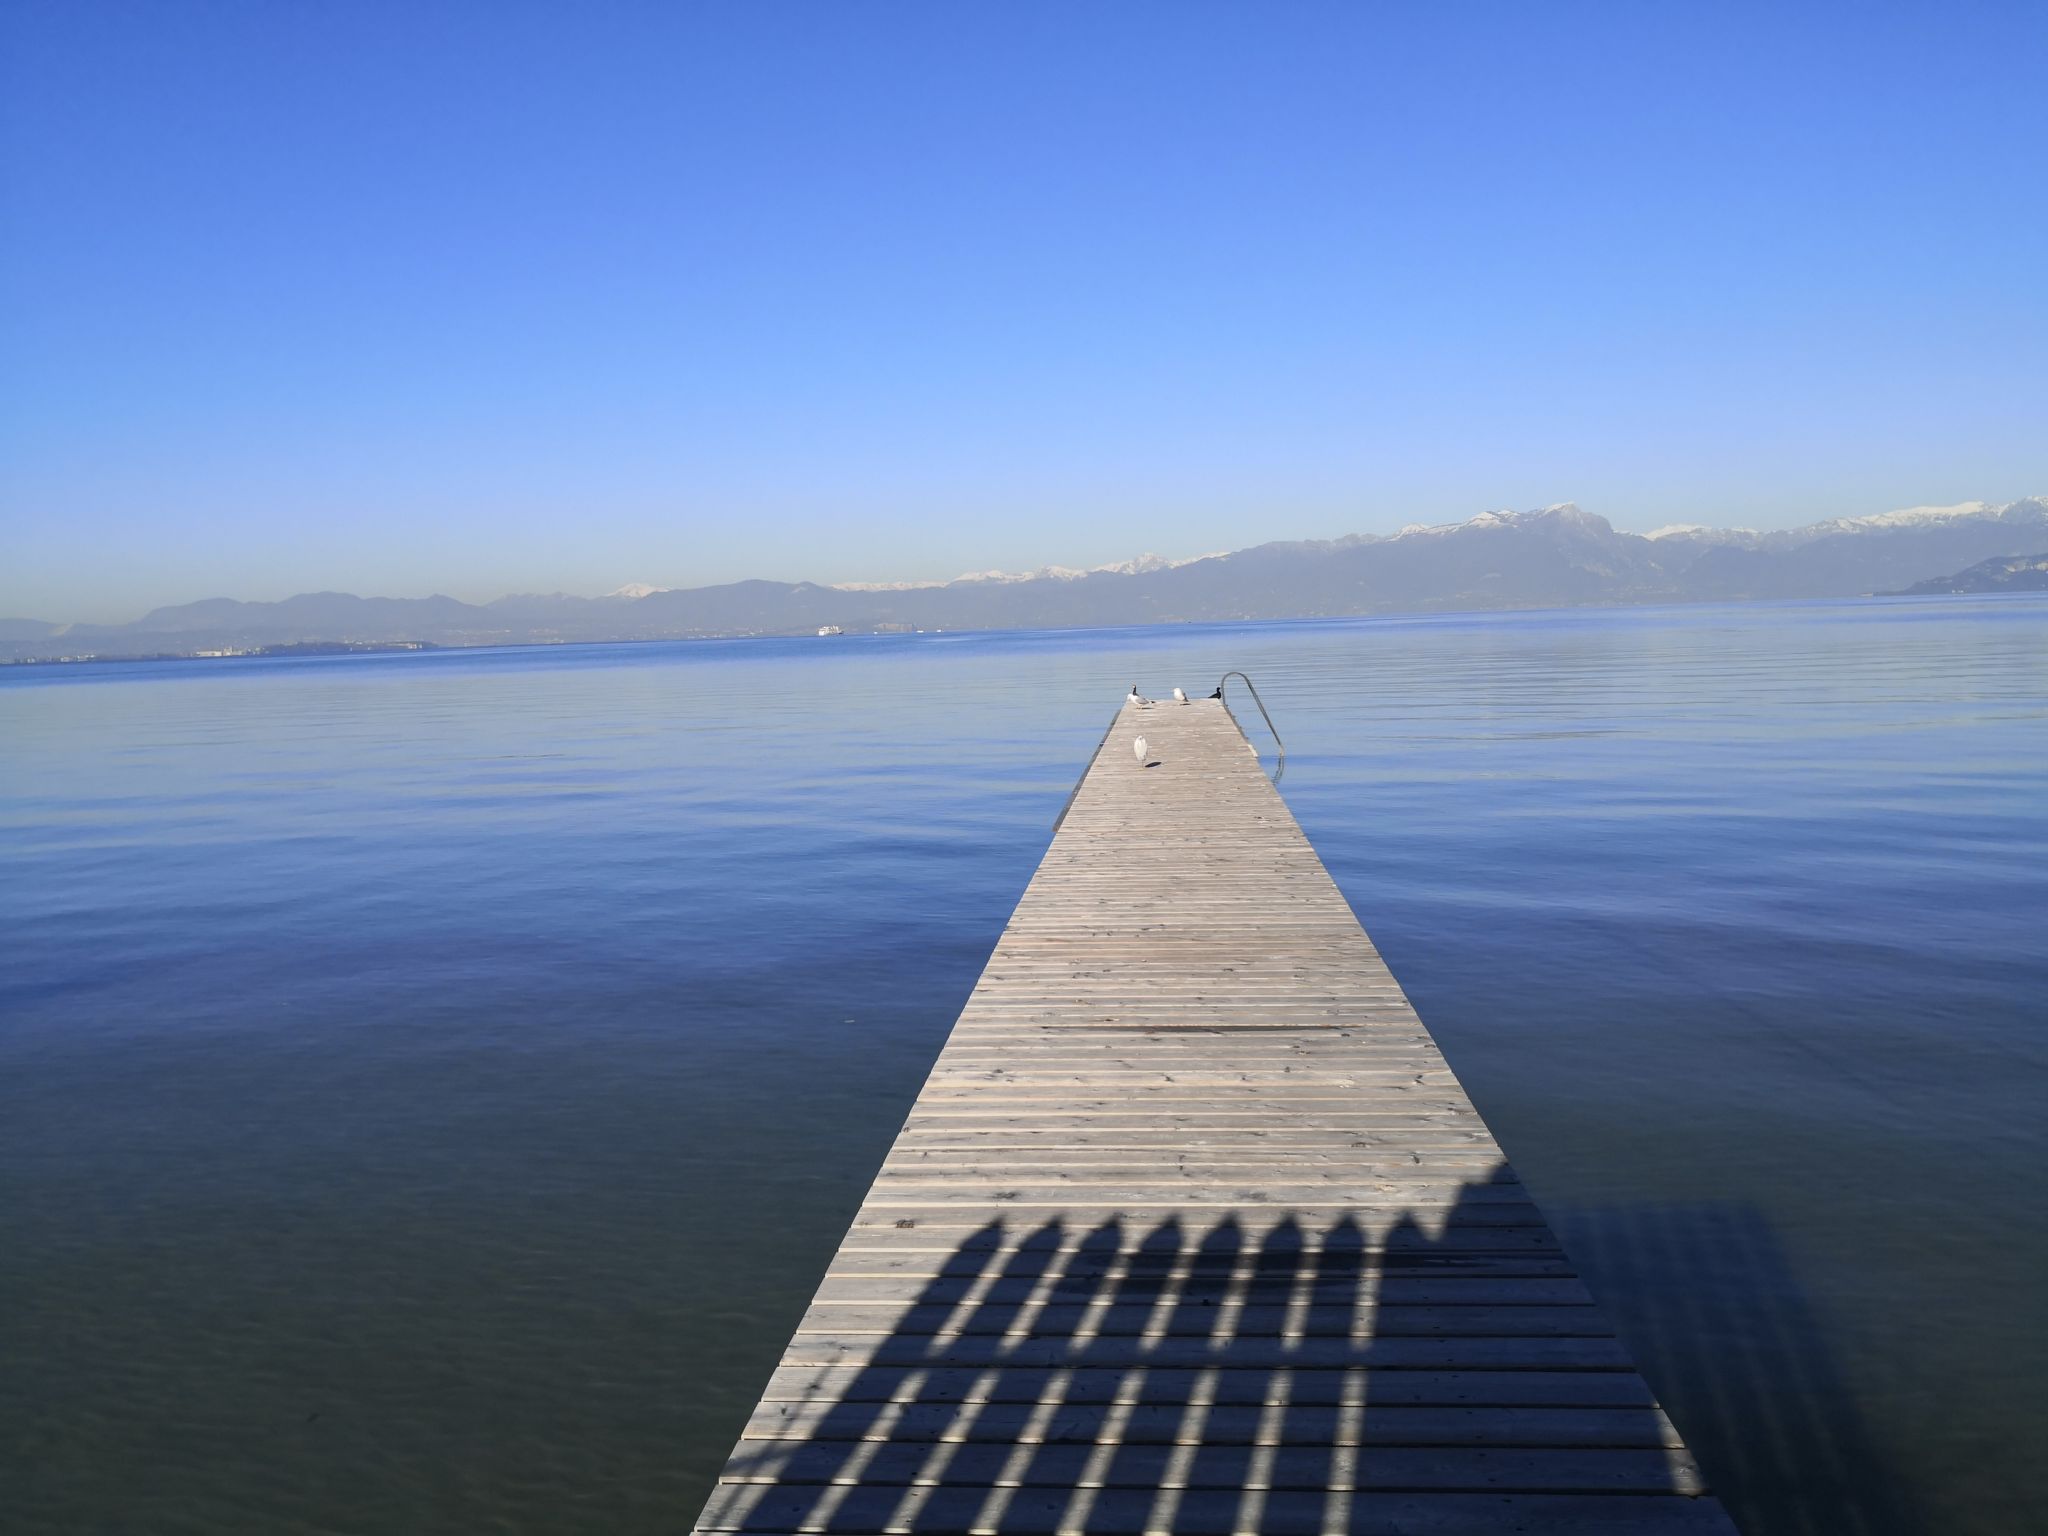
[
  {"x": 2001, "y": 573},
  {"x": 1557, "y": 557}
]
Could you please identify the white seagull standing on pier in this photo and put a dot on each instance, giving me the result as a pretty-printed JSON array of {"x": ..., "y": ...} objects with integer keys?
[
  {"x": 1136, "y": 697},
  {"x": 1179, "y": 697},
  {"x": 1143, "y": 748}
]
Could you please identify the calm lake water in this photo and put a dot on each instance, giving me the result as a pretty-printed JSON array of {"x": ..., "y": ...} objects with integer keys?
[{"x": 431, "y": 1085}]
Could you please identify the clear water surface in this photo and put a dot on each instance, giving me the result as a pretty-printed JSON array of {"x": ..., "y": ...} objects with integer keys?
[{"x": 431, "y": 1085}]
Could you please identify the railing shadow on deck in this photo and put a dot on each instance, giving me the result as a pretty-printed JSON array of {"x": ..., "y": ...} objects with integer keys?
[{"x": 1065, "y": 1370}]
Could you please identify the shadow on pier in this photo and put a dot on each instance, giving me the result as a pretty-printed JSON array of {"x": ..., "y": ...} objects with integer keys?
[{"x": 1254, "y": 1376}]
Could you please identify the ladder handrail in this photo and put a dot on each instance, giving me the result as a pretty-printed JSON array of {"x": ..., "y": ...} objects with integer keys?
[{"x": 1218, "y": 694}]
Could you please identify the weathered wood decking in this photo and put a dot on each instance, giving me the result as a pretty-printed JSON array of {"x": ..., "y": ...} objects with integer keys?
[{"x": 1193, "y": 1230}]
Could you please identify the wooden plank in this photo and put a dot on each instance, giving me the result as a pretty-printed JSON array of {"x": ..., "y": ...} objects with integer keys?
[
  {"x": 1299, "y": 1167},
  {"x": 934, "y": 1266},
  {"x": 1288, "y": 1318},
  {"x": 1193, "y": 1228},
  {"x": 1280, "y": 1228},
  {"x": 1490, "y": 1353},
  {"x": 1178, "y": 1422},
  {"x": 959, "y": 1511},
  {"x": 1376, "y": 1202},
  {"x": 1136, "y": 1465},
  {"x": 1418, "y": 1133},
  {"x": 1388, "y": 1290},
  {"x": 1002, "y": 1162},
  {"x": 1306, "y": 1388},
  {"x": 1491, "y": 1204},
  {"x": 1242, "y": 1227}
]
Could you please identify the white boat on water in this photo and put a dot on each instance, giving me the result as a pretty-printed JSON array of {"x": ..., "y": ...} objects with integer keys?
[{"x": 831, "y": 629}]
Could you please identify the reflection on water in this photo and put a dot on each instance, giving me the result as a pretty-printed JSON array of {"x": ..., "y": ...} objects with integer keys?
[{"x": 430, "y": 1086}]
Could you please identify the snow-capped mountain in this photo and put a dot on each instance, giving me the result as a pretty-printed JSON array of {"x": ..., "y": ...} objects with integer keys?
[
  {"x": 1841, "y": 556},
  {"x": 1699, "y": 533},
  {"x": 1138, "y": 566},
  {"x": 1963, "y": 513}
]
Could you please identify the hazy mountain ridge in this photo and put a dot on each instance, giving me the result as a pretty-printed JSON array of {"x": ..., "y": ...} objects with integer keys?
[
  {"x": 2001, "y": 573},
  {"x": 1556, "y": 557}
]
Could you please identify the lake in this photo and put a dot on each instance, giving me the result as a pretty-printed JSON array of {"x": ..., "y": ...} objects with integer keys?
[{"x": 431, "y": 1085}]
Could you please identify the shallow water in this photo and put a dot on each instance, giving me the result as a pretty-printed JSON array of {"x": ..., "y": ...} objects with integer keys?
[{"x": 430, "y": 1085}]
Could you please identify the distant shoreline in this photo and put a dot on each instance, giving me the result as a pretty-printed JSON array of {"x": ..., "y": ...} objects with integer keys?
[
  {"x": 315, "y": 649},
  {"x": 243, "y": 653}
]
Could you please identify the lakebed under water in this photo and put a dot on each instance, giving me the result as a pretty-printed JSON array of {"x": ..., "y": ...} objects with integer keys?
[{"x": 431, "y": 1085}]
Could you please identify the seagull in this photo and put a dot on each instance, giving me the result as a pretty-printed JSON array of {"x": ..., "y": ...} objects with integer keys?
[
  {"x": 1143, "y": 748},
  {"x": 1135, "y": 697},
  {"x": 1179, "y": 697}
]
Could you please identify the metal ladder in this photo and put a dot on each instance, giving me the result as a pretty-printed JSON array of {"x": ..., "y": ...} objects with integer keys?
[{"x": 1280, "y": 765}]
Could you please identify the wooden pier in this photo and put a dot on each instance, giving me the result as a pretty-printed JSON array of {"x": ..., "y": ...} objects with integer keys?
[{"x": 1193, "y": 1230}]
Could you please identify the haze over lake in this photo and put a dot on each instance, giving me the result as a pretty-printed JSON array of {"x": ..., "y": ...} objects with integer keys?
[{"x": 431, "y": 1085}]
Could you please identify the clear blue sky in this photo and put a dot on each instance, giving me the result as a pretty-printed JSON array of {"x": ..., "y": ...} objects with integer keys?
[{"x": 429, "y": 296}]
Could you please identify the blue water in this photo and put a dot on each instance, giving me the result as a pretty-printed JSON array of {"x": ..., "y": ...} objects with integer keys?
[{"x": 430, "y": 1085}]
